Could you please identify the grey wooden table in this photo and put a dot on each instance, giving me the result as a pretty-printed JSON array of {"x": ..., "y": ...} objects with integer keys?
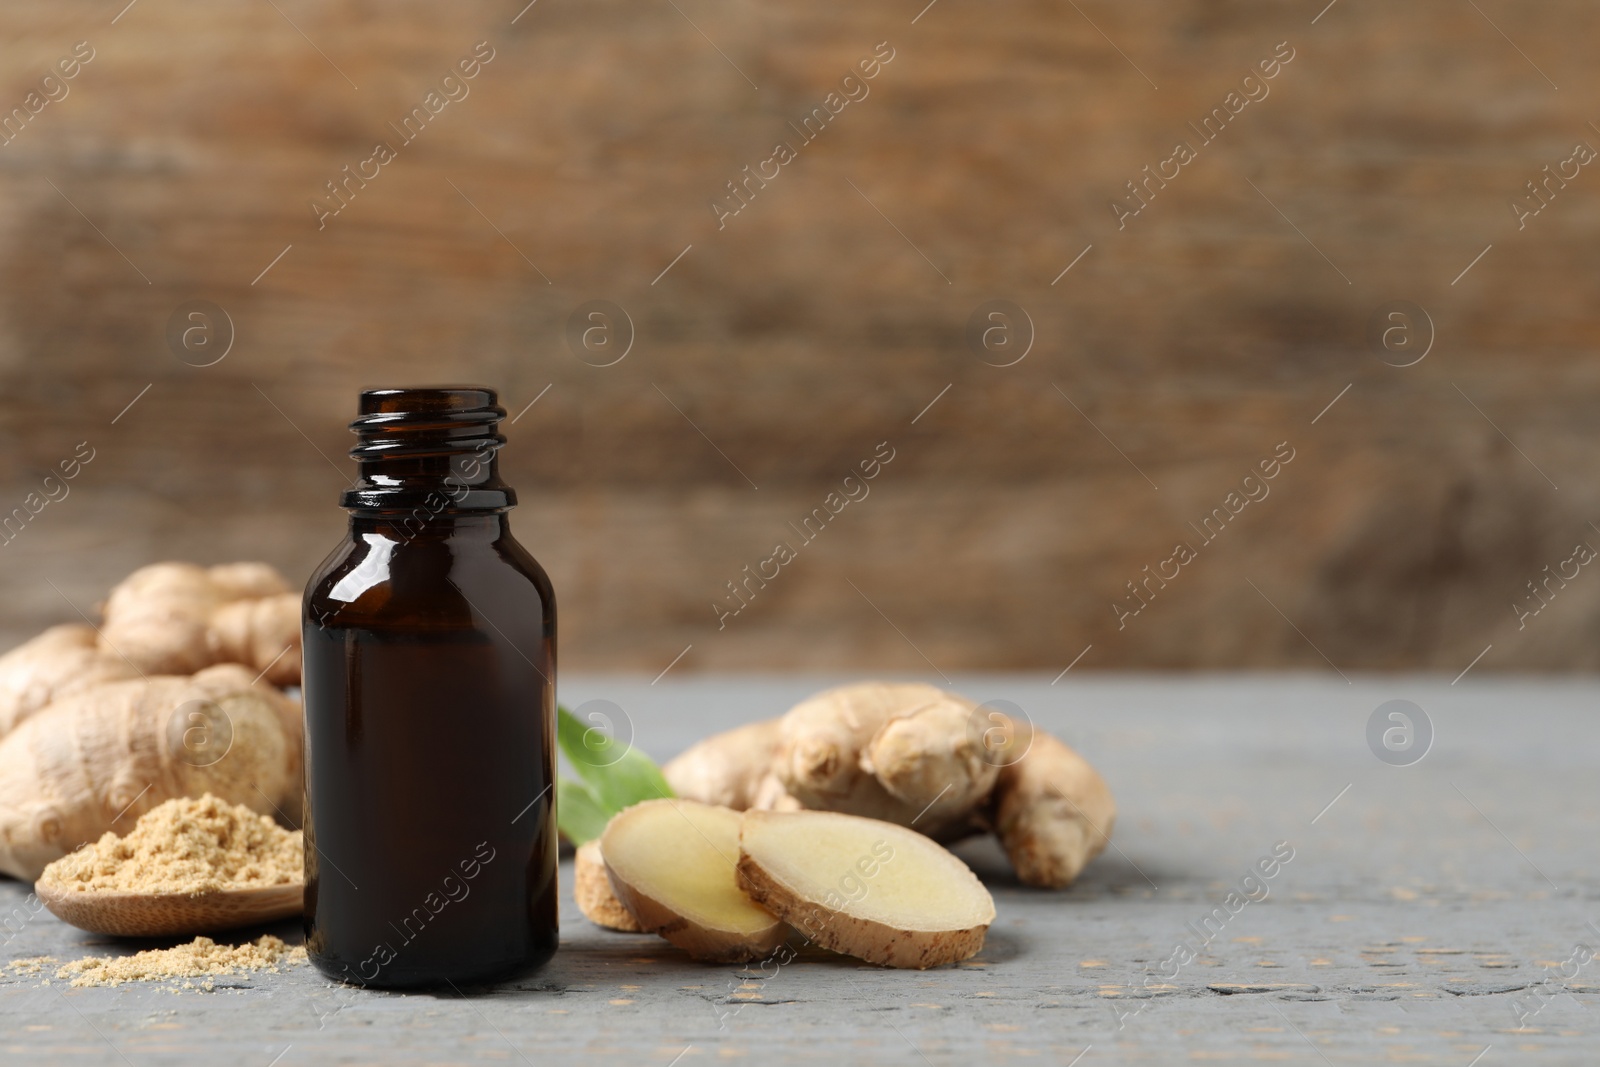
[{"x": 1440, "y": 912}]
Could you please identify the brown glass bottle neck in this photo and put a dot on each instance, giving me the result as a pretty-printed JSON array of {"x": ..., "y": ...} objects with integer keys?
[{"x": 420, "y": 525}]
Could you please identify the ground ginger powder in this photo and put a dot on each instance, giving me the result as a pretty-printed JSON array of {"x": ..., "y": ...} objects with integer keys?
[
  {"x": 188, "y": 845},
  {"x": 201, "y": 957}
]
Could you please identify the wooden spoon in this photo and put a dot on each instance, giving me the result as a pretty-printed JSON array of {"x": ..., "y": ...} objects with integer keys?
[{"x": 124, "y": 913}]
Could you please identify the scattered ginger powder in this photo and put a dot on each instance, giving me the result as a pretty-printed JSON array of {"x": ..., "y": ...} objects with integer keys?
[
  {"x": 188, "y": 845},
  {"x": 201, "y": 957}
]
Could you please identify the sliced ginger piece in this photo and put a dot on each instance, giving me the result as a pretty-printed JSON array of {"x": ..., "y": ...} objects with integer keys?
[
  {"x": 880, "y": 892},
  {"x": 671, "y": 864},
  {"x": 592, "y": 890}
]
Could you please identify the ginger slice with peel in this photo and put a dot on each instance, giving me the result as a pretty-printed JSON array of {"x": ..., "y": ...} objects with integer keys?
[
  {"x": 880, "y": 892},
  {"x": 671, "y": 864},
  {"x": 592, "y": 891}
]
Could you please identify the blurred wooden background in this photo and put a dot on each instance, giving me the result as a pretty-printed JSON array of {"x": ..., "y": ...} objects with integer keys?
[{"x": 1175, "y": 353}]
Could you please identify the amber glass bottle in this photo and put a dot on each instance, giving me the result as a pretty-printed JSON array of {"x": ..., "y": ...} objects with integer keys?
[{"x": 430, "y": 658}]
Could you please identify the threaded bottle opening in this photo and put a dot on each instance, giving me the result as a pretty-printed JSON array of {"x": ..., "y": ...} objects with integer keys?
[{"x": 432, "y": 447}]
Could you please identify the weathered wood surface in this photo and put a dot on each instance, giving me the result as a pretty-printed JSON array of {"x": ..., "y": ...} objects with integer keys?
[
  {"x": 1420, "y": 911},
  {"x": 807, "y": 330}
]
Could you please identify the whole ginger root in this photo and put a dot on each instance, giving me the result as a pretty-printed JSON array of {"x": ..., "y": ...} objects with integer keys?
[
  {"x": 900, "y": 752},
  {"x": 1052, "y": 812},
  {"x": 58, "y": 662},
  {"x": 919, "y": 756},
  {"x": 177, "y": 618},
  {"x": 167, "y": 618},
  {"x": 102, "y": 756},
  {"x": 730, "y": 770}
]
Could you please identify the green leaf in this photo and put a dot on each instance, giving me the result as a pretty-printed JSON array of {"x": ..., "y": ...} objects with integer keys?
[
  {"x": 578, "y": 813},
  {"x": 617, "y": 776}
]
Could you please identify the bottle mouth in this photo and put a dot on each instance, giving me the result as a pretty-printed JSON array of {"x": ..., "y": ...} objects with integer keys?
[
  {"x": 428, "y": 446},
  {"x": 426, "y": 421}
]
